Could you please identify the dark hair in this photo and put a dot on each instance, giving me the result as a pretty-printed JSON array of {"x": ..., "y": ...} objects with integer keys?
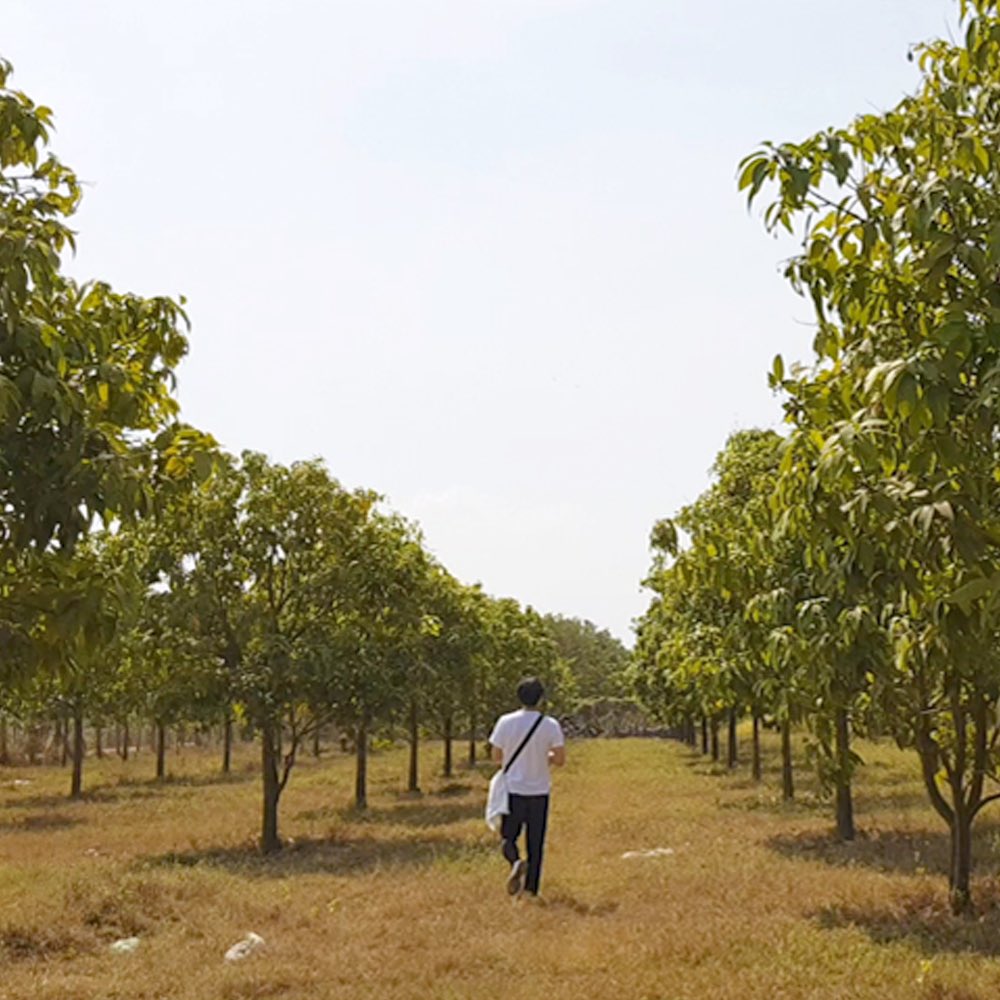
[{"x": 530, "y": 691}]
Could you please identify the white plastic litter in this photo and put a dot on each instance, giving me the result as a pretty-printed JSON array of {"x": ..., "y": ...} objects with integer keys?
[
  {"x": 656, "y": 852},
  {"x": 124, "y": 946},
  {"x": 245, "y": 948}
]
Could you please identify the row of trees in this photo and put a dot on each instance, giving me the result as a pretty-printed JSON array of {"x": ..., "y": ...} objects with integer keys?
[
  {"x": 145, "y": 573},
  {"x": 848, "y": 576}
]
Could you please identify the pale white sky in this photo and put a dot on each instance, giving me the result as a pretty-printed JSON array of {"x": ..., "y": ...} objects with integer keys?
[{"x": 484, "y": 256}]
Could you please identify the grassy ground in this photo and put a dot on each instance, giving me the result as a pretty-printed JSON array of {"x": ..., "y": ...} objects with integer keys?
[{"x": 756, "y": 900}]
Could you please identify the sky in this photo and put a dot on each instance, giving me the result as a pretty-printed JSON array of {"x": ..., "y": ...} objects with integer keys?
[{"x": 486, "y": 257}]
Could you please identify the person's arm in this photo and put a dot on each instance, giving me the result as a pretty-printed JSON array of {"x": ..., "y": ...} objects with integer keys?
[
  {"x": 557, "y": 752},
  {"x": 496, "y": 751}
]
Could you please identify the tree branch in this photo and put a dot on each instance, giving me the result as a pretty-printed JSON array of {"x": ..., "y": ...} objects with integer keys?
[
  {"x": 986, "y": 801},
  {"x": 930, "y": 754}
]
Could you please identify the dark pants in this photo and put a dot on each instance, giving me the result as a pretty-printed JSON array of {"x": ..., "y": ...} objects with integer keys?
[{"x": 531, "y": 811}]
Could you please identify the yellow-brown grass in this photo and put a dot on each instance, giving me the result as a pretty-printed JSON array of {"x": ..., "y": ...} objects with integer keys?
[{"x": 408, "y": 901}]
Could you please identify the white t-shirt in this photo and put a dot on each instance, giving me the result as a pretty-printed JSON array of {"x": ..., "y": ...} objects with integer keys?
[{"x": 530, "y": 773}]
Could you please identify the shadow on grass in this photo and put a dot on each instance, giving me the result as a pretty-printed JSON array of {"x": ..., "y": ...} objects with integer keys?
[
  {"x": 34, "y": 943},
  {"x": 904, "y": 852},
  {"x": 127, "y": 790},
  {"x": 917, "y": 852},
  {"x": 705, "y": 767},
  {"x": 579, "y": 907},
  {"x": 451, "y": 789},
  {"x": 451, "y": 803},
  {"x": 189, "y": 780},
  {"x": 924, "y": 921},
  {"x": 767, "y": 799},
  {"x": 423, "y": 814},
  {"x": 103, "y": 793},
  {"x": 762, "y": 796},
  {"x": 415, "y": 812},
  {"x": 903, "y": 798},
  {"x": 739, "y": 776},
  {"x": 40, "y": 823},
  {"x": 329, "y": 855}
]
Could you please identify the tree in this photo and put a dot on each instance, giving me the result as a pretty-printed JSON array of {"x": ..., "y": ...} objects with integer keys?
[
  {"x": 700, "y": 622},
  {"x": 86, "y": 413},
  {"x": 88, "y": 604},
  {"x": 899, "y": 218},
  {"x": 262, "y": 564},
  {"x": 88, "y": 425},
  {"x": 450, "y": 651},
  {"x": 596, "y": 660},
  {"x": 726, "y": 525},
  {"x": 383, "y": 625}
]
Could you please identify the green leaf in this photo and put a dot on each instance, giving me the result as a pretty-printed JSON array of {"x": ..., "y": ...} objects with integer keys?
[
  {"x": 906, "y": 395},
  {"x": 972, "y": 591}
]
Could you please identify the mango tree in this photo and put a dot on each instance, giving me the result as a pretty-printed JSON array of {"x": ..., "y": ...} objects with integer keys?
[
  {"x": 717, "y": 577},
  {"x": 88, "y": 423},
  {"x": 260, "y": 566},
  {"x": 450, "y": 652},
  {"x": 899, "y": 215}
]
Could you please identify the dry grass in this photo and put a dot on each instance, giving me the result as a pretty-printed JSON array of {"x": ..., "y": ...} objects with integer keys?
[{"x": 408, "y": 902}]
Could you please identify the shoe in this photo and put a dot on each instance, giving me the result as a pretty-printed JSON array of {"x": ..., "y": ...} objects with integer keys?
[{"x": 515, "y": 881}]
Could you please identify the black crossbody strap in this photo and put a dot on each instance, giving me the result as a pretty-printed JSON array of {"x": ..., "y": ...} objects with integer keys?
[{"x": 531, "y": 732}]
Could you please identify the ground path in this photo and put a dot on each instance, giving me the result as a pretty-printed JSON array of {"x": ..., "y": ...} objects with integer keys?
[{"x": 754, "y": 900}]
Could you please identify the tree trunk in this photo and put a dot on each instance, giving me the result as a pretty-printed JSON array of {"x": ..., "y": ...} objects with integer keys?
[
  {"x": 125, "y": 740},
  {"x": 732, "y": 758},
  {"x": 472, "y": 739},
  {"x": 961, "y": 862},
  {"x": 787, "y": 787},
  {"x": 413, "y": 780},
  {"x": 4, "y": 748},
  {"x": 361, "y": 766},
  {"x": 756, "y": 766},
  {"x": 447, "y": 747},
  {"x": 98, "y": 745},
  {"x": 161, "y": 751},
  {"x": 76, "y": 783},
  {"x": 966, "y": 781},
  {"x": 316, "y": 746},
  {"x": 269, "y": 841},
  {"x": 227, "y": 745},
  {"x": 845, "y": 805},
  {"x": 704, "y": 735},
  {"x": 714, "y": 728},
  {"x": 64, "y": 737}
]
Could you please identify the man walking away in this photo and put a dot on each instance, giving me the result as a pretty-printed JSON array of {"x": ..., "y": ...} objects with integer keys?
[{"x": 528, "y": 781}]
